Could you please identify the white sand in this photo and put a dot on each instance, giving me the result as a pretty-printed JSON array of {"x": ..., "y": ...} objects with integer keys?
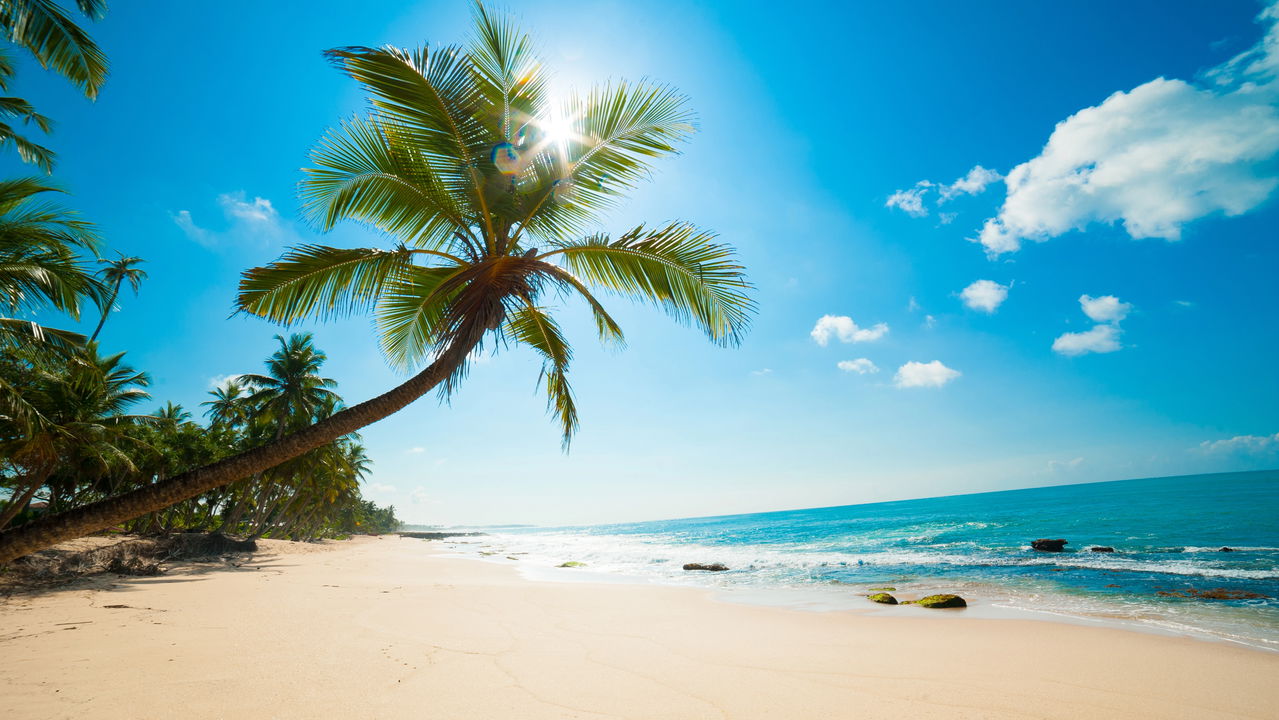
[{"x": 384, "y": 628}]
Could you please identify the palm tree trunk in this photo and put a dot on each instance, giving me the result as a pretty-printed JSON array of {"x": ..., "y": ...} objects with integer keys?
[
  {"x": 18, "y": 503},
  {"x": 83, "y": 520},
  {"x": 106, "y": 310}
]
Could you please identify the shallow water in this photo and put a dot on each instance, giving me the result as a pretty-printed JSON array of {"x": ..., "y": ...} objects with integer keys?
[{"x": 1167, "y": 534}]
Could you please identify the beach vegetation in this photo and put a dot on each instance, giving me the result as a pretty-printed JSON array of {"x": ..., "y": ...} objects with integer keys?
[{"x": 492, "y": 192}]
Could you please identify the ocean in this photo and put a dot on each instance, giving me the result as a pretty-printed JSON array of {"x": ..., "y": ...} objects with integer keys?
[{"x": 1167, "y": 534}]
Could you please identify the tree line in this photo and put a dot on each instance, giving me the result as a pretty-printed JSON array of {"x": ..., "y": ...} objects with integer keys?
[
  {"x": 71, "y": 433},
  {"x": 493, "y": 193}
]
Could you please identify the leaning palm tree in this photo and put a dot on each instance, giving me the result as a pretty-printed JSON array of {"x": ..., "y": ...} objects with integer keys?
[
  {"x": 115, "y": 274},
  {"x": 495, "y": 218},
  {"x": 47, "y": 31}
]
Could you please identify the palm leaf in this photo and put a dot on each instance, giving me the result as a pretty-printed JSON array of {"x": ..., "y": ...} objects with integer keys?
[
  {"x": 43, "y": 28},
  {"x": 679, "y": 268},
  {"x": 317, "y": 281},
  {"x": 531, "y": 326},
  {"x": 412, "y": 314},
  {"x": 363, "y": 173}
]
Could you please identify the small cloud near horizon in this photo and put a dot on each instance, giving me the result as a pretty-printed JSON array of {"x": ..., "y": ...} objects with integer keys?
[{"x": 1249, "y": 444}]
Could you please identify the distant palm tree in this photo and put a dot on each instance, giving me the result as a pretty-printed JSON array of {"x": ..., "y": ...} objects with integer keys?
[
  {"x": 292, "y": 392},
  {"x": 79, "y": 420},
  {"x": 44, "y": 29},
  {"x": 492, "y": 189},
  {"x": 114, "y": 274},
  {"x": 230, "y": 405}
]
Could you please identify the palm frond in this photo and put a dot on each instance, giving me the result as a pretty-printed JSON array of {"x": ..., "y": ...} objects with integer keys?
[
  {"x": 530, "y": 325},
  {"x": 43, "y": 28},
  {"x": 428, "y": 99},
  {"x": 679, "y": 268},
  {"x": 362, "y": 172},
  {"x": 509, "y": 77},
  {"x": 412, "y": 312},
  {"x": 317, "y": 281},
  {"x": 30, "y": 152},
  {"x": 617, "y": 129}
]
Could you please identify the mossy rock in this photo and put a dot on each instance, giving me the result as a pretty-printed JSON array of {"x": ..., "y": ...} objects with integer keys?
[
  {"x": 883, "y": 598},
  {"x": 942, "y": 601},
  {"x": 573, "y": 563},
  {"x": 883, "y": 589}
]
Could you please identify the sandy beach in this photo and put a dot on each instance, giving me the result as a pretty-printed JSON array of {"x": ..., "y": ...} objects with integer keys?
[{"x": 388, "y": 628}]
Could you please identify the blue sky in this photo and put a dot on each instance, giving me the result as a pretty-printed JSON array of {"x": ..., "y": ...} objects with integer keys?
[{"x": 1126, "y": 327}]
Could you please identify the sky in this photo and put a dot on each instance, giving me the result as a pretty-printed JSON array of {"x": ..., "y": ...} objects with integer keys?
[{"x": 995, "y": 245}]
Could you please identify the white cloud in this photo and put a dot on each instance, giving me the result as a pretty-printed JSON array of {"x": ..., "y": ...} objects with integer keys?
[
  {"x": 1104, "y": 309},
  {"x": 1153, "y": 158},
  {"x": 984, "y": 295},
  {"x": 381, "y": 488},
  {"x": 847, "y": 331},
  {"x": 910, "y": 201},
  {"x": 762, "y": 371},
  {"x": 861, "y": 366},
  {"x": 1100, "y": 339},
  {"x": 917, "y": 374},
  {"x": 930, "y": 322},
  {"x": 421, "y": 497},
  {"x": 257, "y": 211},
  {"x": 1242, "y": 443},
  {"x": 416, "y": 450},
  {"x": 182, "y": 219},
  {"x": 973, "y": 183},
  {"x": 255, "y": 219}
]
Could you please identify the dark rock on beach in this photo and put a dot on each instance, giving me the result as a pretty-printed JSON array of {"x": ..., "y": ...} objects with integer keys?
[
  {"x": 883, "y": 598},
  {"x": 438, "y": 535},
  {"x": 942, "y": 601},
  {"x": 1046, "y": 545},
  {"x": 1102, "y": 548},
  {"x": 713, "y": 567}
]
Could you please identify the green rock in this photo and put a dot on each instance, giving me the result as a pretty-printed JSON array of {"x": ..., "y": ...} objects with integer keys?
[
  {"x": 884, "y": 598},
  {"x": 883, "y": 589},
  {"x": 573, "y": 563},
  {"x": 942, "y": 601}
]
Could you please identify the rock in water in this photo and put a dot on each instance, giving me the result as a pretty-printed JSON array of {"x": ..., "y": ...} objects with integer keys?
[
  {"x": 884, "y": 598},
  {"x": 1045, "y": 545},
  {"x": 1226, "y": 549},
  {"x": 1101, "y": 548},
  {"x": 942, "y": 601},
  {"x": 713, "y": 567}
]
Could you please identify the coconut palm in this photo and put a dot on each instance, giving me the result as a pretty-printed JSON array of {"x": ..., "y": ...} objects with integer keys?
[
  {"x": 47, "y": 31},
  {"x": 492, "y": 190},
  {"x": 230, "y": 406},
  {"x": 41, "y": 267},
  {"x": 78, "y": 424},
  {"x": 115, "y": 274}
]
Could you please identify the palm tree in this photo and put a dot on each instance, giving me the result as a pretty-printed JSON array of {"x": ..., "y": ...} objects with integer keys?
[
  {"x": 114, "y": 274},
  {"x": 230, "y": 405},
  {"x": 493, "y": 214},
  {"x": 46, "y": 31},
  {"x": 78, "y": 424},
  {"x": 292, "y": 392},
  {"x": 40, "y": 265}
]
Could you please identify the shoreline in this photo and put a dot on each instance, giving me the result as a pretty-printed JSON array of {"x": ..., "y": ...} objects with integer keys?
[
  {"x": 390, "y": 627},
  {"x": 987, "y": 600}
]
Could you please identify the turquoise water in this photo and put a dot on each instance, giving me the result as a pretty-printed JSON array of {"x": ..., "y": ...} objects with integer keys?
[{"x": 1167, "y": 534}]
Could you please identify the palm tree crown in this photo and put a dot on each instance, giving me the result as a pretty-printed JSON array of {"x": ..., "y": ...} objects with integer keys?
[
  {"x": 116, "y": 272},
  {"x": 491, "y": 188}
]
